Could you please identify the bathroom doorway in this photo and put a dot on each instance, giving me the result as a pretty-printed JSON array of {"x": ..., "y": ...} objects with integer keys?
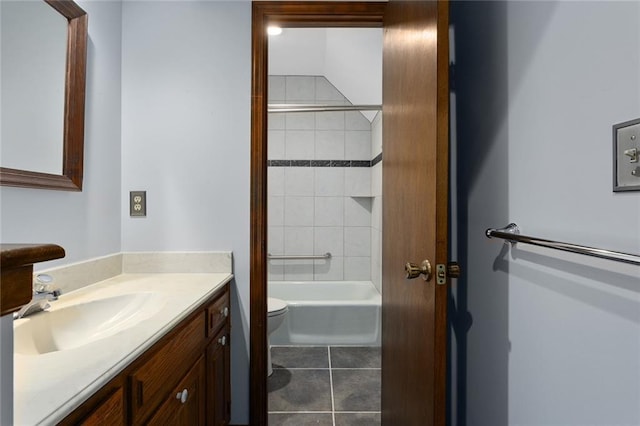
[
  {"x": 324, "y": 203},
  {"x": 416, "y": 120}
]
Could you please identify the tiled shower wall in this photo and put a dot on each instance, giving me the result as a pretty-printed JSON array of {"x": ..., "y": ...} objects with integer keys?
[
  {"x": 376, "y": 203},
  {"x": 319, "y": 185}
]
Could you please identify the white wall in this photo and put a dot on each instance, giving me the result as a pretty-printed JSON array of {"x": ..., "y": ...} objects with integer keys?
[
  {"x": 185, "y": 140},
  {"x": 350, "y": 58},
  {"x": 353, "y": 63},
  {"x": 87, "y": 223},
  {"x": 554, "y": 338}
]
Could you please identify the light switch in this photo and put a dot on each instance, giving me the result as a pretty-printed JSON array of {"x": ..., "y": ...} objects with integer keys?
[{"x": 626, "y": 156}]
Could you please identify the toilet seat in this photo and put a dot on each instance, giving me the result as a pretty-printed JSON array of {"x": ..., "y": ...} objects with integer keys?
[{"x": 276, "y": 307}]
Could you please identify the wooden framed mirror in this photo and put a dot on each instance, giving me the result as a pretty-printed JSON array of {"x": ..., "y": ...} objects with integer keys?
[{"x": 72, "y": 138}]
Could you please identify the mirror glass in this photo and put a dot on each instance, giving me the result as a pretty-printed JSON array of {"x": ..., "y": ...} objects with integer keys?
[
  {"x": 43, "y": 47},
  {"x": 33, "y": 46}
]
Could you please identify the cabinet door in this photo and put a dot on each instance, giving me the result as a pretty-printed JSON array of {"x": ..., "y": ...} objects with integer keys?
[
  {"x": 218, "y": 383},
  {"x": 186, "y": 404},
  {"x": 110, "y": 412},
  {"x": 161, "y": 371}
]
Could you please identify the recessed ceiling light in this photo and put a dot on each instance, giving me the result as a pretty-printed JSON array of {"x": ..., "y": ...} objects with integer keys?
[{"x": 274, "y": 30}]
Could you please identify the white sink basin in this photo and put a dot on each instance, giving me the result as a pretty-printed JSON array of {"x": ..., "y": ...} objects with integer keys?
[{"x": 74, "y": 325}]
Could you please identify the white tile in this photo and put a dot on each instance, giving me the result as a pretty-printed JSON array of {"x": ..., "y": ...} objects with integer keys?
[
  {"x": 357, "y": 241},
  {"x": 275, "y": 121},
  {"x": 329, "y": 145},
  {"x": 298, "y": 240},
  {"x": 299, "y": 144},
  {"x": 300, "y": 88},
  {"x": 299, "y": 181},
  {"x": 376, "y": 180},
  {"x": 329, "y": 181},
  {"x": 298, "y": 211},
  {"x": 329, "y": 270},
  {"x": 275, "y": 240},
  {"x": 276, "y": 89},
  {"x": 357, "y": 268},
  {"x": 275, "y": 270},
  {"x": 357, "y": 145},
  {"x": 298, "y": 270},
  {"x": 275, "y": 211},
  {"x": 376, "y": 135},
  {"x": 328, "y": 239},
  {"x": 357, "y": 211},
  {"x": 275, "y": 144},
  {"x": 357, "y": 181},
  {"x": 376, "y": 275},
  {"x": 376, "y": 247},
  {"x": 325, "y": 91},
  {"x": 329, "y": 211},
  {"x": 330, "y": 120},
  {"x": 376, "y": 213},
  {"x": 354, "y": 120},
  {"x": 300, "y": 121},
  {"x": 275, "y": 181}
]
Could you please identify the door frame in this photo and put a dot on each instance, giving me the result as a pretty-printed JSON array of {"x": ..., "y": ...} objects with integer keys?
[{"x": 296, "y": 14}]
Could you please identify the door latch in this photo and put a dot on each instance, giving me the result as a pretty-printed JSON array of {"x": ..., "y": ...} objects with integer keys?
[{"x": 451, "y": 270}]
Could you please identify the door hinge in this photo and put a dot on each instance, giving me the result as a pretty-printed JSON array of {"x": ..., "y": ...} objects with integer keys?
[{"x": 451, "y": 270}]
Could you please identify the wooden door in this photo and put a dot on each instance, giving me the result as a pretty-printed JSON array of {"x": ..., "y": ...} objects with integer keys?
[{"x": 415, "y": 211}]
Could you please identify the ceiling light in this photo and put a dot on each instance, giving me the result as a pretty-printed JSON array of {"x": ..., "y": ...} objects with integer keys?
[{"x": 274, "y": 30}]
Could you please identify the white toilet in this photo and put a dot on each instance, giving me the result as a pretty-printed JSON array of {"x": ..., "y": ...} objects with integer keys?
[{"x": 277, "y": 312}]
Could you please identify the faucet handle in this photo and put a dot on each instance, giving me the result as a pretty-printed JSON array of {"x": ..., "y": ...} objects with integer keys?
[{"x": 41, "y": 282}]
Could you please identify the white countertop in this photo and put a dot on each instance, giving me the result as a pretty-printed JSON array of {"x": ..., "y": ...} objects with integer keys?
[{"x": 49, "y": 386}]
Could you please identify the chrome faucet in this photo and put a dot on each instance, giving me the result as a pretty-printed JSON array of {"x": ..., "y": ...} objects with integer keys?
[{"x": 41, "y": 297}]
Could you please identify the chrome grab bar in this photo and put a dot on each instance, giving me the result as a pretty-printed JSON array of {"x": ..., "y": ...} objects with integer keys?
[
  {"x": 298, "y": 256},
  {"x": 511, "y": 233}
]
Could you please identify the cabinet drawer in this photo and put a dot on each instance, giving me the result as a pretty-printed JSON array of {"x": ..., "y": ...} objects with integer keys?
[
  {"x": 185, "y": 405},
  {"x": 217, "y": 314},
  {"x": 150, "y": 382}
]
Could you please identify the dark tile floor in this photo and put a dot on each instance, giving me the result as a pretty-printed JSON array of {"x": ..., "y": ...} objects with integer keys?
[{"x": 320, "y": 385}]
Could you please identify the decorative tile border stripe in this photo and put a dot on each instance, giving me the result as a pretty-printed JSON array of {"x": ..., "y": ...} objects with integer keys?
[{"x": 325, "y": 163}]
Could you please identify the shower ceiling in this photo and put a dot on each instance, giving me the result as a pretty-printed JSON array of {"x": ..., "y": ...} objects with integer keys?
[{"x": 350, "y": 58}]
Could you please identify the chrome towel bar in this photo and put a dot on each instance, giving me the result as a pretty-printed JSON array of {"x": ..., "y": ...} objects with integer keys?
[
  {"x": 298, "y": 256},
  {"x": 511, "y": 233}
]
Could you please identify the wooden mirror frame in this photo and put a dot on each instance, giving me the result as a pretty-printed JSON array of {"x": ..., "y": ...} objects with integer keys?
[{"x": 73, "y": 133}]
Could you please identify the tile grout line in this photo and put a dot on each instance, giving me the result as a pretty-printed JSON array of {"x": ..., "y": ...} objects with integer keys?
[{"x": 333, "y": 405}]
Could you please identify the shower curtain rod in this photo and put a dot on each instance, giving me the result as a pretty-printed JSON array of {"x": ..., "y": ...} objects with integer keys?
[
  {"x": 511, "y": 233},
  {"x": 320, "y": 108}
]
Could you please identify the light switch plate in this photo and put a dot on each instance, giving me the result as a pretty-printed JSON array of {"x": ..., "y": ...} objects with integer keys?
[{"x": 626, "y": 153}]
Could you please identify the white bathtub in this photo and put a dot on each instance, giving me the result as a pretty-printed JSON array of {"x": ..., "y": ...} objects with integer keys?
[{"x": 328, "y": 313}]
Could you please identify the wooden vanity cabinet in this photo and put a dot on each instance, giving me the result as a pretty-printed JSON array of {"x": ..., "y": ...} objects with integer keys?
[{"x": 183, "y": 379}]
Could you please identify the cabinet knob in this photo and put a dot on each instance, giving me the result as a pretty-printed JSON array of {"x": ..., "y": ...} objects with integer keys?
[
  {"x": 182, "y": 396},
  {"x": 223, "y": 340},
  {"x": 224, "y": 312}
]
